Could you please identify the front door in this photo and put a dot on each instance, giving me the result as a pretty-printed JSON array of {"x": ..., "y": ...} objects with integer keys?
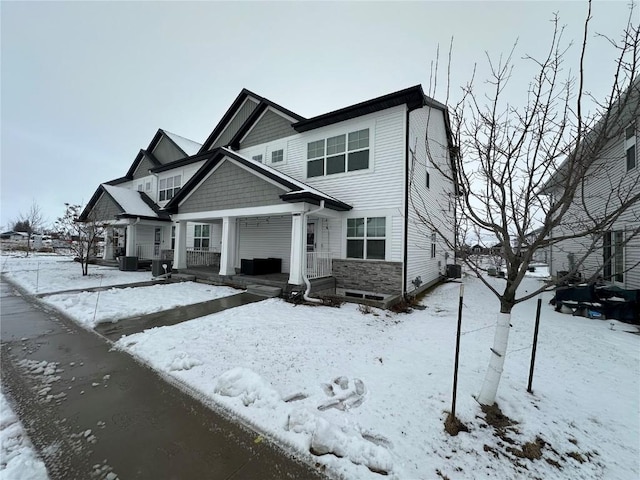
[
  {"x": 157, "y": 235},
  {"x": 311, "y": 236}
]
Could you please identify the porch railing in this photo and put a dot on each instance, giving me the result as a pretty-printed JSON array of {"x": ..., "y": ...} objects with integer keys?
[
  {"x": 148, "y": 251},
  {"x": 198, "y": 257},
  {"x": 319, "y": 264}
]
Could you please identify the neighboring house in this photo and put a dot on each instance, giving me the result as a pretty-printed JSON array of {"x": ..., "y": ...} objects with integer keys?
[
  {"x": 541, "y": 255},
  {"x": 14, "y": 236},
  {"x": 328, "y": 197},
  {"x": 615, "y": 175}
]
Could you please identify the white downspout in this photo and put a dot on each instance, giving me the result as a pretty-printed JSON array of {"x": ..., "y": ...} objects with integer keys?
[{"x": 304, "y": 257}]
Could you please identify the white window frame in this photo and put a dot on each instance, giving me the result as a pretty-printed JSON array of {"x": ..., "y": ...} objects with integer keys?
[
  {"x": 199, "y": 237},
  {"x": 174, "y": 189},
  {"x": 346, "y": 151},
  {"x": 366, "y": 237},
  {"x": 630, "y": 143}
]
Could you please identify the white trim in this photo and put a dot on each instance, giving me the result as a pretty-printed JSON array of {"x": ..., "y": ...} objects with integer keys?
[
  {"x": 333, "y": 132},
  {"x": 266, "y": 210}
]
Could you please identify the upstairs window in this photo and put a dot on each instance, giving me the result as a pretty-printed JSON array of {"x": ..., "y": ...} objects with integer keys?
[
  {"x": 366, "y": 238},
  {"x": 338, "y": 154},
  {"x": 168, "y": 187},
  {"x": 140, "y": 187},
  {"x": 257, "y": 158},
  {"x": 277, "y": 156},
  {"x": 201, "y": 237},
  {"x": 630, "y": 146}
]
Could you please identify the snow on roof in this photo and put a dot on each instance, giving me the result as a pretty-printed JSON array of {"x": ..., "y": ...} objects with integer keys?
[
  {"x": 303, "y": 186},
  {"x": 189, "y": 146},
  {"x": 130, "y": 201}
]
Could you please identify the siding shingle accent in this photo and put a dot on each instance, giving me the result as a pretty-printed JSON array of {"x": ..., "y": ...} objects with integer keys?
[
  {"x": 231, "y": 186},
  {"x": 270, "y": 127}
]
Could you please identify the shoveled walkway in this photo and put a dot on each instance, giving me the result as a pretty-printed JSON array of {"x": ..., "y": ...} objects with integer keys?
[
  {"x": 127, "y": 326},
  {"x": 94, "y": 413}
]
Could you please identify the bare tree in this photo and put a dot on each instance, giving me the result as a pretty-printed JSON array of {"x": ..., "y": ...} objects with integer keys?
[
  {"x": 526, "y": 174},
  {"x": 30, "y": 222},
  {"x": 81, "y": 237}
]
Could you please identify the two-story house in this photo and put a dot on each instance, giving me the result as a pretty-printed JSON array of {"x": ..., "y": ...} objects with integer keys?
[
  {"x": 339, "y": 196},
  {"x": 611, "y": 181}
]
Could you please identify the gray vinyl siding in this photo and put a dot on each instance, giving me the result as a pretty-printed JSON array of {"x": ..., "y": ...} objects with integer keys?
[
  {"x": 167, "y": 152},
  {"x": 143, "y": 168},
  {"x": 230, "y": 186},
  {"x": 270, "y": 127},
  {"x": 433, "y": 203},
  {"x": 607, "y": 179},
  {"x": 235, "y": 124},
  {"x": 265, "y": 237},
  {"x": 105, "y": 209}
]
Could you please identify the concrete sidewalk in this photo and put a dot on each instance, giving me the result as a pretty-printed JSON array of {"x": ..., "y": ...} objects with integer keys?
[
  {"x": 92, "y": 412},
  {"x": 127, "y": 326}
]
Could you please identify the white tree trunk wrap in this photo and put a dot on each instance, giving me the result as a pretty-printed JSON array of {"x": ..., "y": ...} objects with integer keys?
[{"x": 487, "y": 394}]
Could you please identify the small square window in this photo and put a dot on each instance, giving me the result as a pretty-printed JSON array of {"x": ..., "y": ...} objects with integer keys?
[
  {"x": 355, "y": 227},
  {"x": 315, "y": 149},
  {"x": 257, "y": 158},
  {"x": 335, "y": 164},
  {"x": 358, "y": 160},
  {"x": 315, "y": 168},
  {"x": 359, "y": 139},
  {"x": 277, "y": 156},
  {"x": 335, "y": 145},
  {"x": 355, "y": 248}
]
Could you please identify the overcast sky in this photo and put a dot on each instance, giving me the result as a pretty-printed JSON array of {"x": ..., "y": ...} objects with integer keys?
[{"x": 85, "y": 85}]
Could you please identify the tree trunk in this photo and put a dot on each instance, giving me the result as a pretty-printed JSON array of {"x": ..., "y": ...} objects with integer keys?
[{"x": 489, "y": 388}]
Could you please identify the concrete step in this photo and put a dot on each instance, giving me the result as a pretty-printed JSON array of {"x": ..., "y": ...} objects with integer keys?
[
  {"x": 183, "y": 277},
  {"x": 264, "y": 290}
]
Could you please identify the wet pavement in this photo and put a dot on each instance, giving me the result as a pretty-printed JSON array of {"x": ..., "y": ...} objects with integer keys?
[
  {"x": 94, "y": 413},
  {"x": 127, "y": 326}
]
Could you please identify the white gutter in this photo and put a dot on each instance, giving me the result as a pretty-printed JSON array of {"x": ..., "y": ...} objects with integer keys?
[{"x": 304, "y": 258}]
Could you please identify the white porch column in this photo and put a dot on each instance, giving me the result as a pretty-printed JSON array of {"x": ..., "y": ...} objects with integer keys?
[
  {"x": 298, "y": 249},
  {"x": 180, "y": 249},
  {"x": 228, "y": 247},
  {"x": 107, "y": 254},
  {"x": 130, "y": 248}
]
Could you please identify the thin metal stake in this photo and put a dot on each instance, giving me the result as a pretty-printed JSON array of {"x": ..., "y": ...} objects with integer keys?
[
  {"x": 455, "y": 367},
  {"x": 535, "y": 344}
]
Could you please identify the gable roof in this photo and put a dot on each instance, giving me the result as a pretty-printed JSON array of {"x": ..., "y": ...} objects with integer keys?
[
  {"x": 189, "y": 147},
  {"x": 136, "y": 162},
  {"x": 134, "y": 204},
  {"x": 263, "y": 103},
  {"x": 298, "y": 191}
]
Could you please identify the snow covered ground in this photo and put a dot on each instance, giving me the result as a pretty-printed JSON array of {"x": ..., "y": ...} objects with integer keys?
[
  {"x": 18, "y": 459},
  {"x": 91, "y": 308},
  {"x": 367, "y": 390},
  {"x": 40, "y": 273}
]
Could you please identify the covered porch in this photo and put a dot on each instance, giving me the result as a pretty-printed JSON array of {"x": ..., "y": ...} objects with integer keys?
[{"x": 277, "y": 246}]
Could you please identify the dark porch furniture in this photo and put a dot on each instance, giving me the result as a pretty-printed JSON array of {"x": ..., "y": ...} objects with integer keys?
[{"x": 260, "y": 266}]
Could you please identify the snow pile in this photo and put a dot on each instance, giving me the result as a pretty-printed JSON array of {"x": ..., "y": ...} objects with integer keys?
[
  {"x": 18, "y": 460},
  {"x": 91, "y": 308},
  {"x": 247, "y": 386},
  {"x": 182, "y": 361}
]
